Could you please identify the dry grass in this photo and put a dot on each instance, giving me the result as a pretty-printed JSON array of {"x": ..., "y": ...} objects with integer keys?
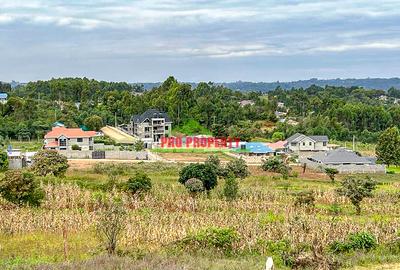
[{"x": 264, "y": 211}]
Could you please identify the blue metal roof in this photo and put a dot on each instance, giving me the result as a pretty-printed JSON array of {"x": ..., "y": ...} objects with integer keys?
[
  {"x": 258, "y": 148},
  {"x": 3, "y": 95}
]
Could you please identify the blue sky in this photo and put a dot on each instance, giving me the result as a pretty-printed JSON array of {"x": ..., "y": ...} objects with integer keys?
[{"x": 203, "y": 40}]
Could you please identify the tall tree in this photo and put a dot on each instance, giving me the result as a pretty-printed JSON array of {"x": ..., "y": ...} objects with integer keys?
[{"x": 388, "y": 147}]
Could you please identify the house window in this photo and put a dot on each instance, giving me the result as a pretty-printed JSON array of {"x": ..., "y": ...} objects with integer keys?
[
  {"x": 324, "y": 143},
  {"x": 166, "y": 127},
  {"x": 79, "y": 139},
  {"x": 63, "y": 142},
  {"x": 304, "y": 144},
  {"x": 293, "y": 144},
  {"x": 310, "y": 143},
  {"x": 147, "y": 129}
]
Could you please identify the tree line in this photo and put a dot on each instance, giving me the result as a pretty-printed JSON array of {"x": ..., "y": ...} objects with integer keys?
[{"x": 339, "y": 112}]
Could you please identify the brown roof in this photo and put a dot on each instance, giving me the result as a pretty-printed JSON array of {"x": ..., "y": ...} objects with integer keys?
[{"x": 56, "y": 132}]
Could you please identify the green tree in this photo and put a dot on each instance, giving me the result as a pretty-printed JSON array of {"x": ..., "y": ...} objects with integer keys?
[
  {"x": 331, "y": 172},
  {"x": 94, "y": 122},
  {"x": 3, "y": 161},
  {"x": 139, "y": 184},
  {"x": 49, "y": 162},
  {"x": 276, "y": 165},
  {"x": 388, "y": 147},
  {"x": 356, "y": 189},
  {"x": 277, "y": 136},
  {"x": 231, "y": 187},
  {"x": 238, "y": 167},
  {"x": 214, "y": 162},
  {"x": 203, "y": 172},
  {"x": 20, "y": 187}
]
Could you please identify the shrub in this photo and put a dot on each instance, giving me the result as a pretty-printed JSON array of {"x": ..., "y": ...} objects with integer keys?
[
  {"x": 231, "y": 187},
  {"x": 194, "y": 186},
  {"x": 221, "y": 239},
  {"x": 20, "y": 187},
  {"x": 305, "y": 198},
  {"x": 140, "y": 183},
  {"x": 139, "y": 145},
  {"x": 111, "y": 223},
  {"x": 331, "y": 172},
  {"x": 277, "y": 136},
  {"x": 356, "y": 241},
  {"x": 75, "y": 147},
  {"x": 238, "y": 167},
  {"x": 49, "y": 162},
  {"x": 214, "y": 162},
  {"x": 356, "y": 189},
  {"x": 3, "y": 161},
  {"x": 276, "y": 165},
  {"x": 203, "y": 172}
]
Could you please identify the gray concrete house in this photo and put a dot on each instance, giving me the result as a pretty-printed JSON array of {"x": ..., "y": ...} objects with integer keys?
[
  {"x": 150, "y": 126},
  {"x": 345, "y": 161},
  {"x": 300, "y": 142}
]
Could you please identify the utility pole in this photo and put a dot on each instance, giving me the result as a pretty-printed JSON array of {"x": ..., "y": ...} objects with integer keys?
[
  {"x": 354, "y": 143},
  {"x": 115, "y": 119}
]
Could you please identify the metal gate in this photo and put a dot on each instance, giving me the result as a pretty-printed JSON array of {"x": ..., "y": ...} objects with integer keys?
[{"x": 98, "y": 155}]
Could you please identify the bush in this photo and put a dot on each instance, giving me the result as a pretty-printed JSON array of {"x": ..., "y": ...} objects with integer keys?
[
  {"x": 140, "y": 183},
  {"x": 49, "y": 162},
  {"x": 277, "y": 136},
  {"x": 203, "y": 172},
  {"x": 20, "y": 187},
  {"x": 231, "y": 187},
  {"x": 3, "y": 161},
  {"x": 139, "y": 145},
  {"x": 214, "y": 162},
  {"x": 356, "y": 189},
  {"x": 305, "y": 198},
  {"x": 331, "y": 172},
  {"x": 75, "y": 147},
  {"x": 111, "y": 223},
  {"x": 276, "y": 165},
  {"x": 221, "y": 239},
  {"x": 356, "y": 241},
  {"x": 238, "y": 167},
  {"x": 194, "y": 186}
]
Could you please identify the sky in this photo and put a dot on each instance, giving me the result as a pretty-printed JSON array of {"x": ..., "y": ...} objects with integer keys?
[{"x": 199, "y": 40}]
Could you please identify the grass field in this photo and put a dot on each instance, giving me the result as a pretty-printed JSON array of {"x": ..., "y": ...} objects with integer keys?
[{"x": 264, "y": 217}]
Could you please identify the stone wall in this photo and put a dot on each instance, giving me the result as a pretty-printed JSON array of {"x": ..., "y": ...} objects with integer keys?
[
  {"x": 351, "y": 168},
  {"x": 123, "y": 155}
]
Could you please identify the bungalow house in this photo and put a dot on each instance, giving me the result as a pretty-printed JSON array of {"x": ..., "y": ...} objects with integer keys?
[
  {"x": 300, "y": 142},
  {"x": 62, "y": 138},
  {"x": 345, "y": 161}
]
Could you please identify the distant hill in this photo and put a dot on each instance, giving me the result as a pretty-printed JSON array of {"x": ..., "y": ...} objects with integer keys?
[{"x": 369, "y": 83}]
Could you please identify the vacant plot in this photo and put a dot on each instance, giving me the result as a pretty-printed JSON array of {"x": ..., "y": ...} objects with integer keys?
[
  {"x": 164, "y": 228},
  {"x": 118, "y": 135}
]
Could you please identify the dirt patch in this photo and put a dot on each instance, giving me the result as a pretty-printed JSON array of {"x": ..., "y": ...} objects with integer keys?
[
  {"x": 82, "y": 164},
  {"x": 190, "y": 157},
  {"x": 309, "y": 174}
]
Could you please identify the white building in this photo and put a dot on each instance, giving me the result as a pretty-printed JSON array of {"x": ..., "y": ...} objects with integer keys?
[{"x": 300, "y": 142}]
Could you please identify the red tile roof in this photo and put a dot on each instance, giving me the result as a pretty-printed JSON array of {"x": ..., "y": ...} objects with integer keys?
[
  {"x": 51, "y": 144},
  {"x": 56, "y": 132},
  {"x": 277, "y": 145}
]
